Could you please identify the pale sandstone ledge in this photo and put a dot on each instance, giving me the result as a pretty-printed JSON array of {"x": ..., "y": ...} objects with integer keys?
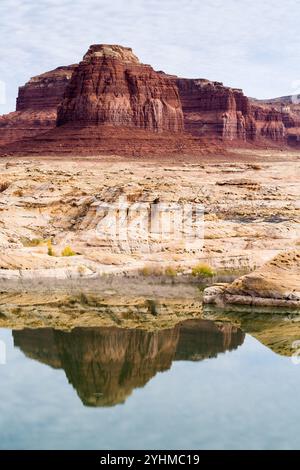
[
  {"x": 252, "y": 213},
  {"x": 275, "y": 284}
]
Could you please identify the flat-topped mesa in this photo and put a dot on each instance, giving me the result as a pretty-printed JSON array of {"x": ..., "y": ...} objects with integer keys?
[
  {"x": 110, "y": 86},
  {"x": 44, "y": 91}
]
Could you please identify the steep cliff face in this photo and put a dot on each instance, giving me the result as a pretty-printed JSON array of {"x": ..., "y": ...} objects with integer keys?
[
  {"x": 269, "y": 123},
  {"x": 37, "y": 103},
  {"x": 44, "y": 91},
  {"x": 110, "y": 86},
  {"x": 211, "y": 109},
  {"x": 288, "y": 110}
]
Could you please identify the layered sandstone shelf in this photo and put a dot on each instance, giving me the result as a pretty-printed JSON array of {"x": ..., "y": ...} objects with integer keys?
[
  {"x": 251, "y": 214},
  {"x": 275, "y": 284}
]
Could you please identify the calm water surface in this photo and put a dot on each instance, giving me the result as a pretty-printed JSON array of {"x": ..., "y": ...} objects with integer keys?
[{"x": 201, "y": 385}]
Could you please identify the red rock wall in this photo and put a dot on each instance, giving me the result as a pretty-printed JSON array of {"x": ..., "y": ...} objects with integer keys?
[
  {"x": 36, "y": 110},
  {"x": 110, "y": 86},
  {"x": 44, "y": 91},
  {"x": 269, "y": 124},
  {"x": 212, "y": 110}
]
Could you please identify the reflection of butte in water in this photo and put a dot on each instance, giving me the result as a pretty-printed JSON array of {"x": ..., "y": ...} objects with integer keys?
[{"x": 104, "y": 365}]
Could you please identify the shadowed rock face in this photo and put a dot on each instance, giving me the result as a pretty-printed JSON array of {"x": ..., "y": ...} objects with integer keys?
[
  {"x": 211, "y": 109},
  {"x": 45, "y": 90},
  {"x": 105, "y": 365},
  {"x": 288, "y": 107}
]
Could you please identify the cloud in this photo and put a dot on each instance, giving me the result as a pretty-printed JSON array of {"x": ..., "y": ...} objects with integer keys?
[{"x": 249, "y": 44}]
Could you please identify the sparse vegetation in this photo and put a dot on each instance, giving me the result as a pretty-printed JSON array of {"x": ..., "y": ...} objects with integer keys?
[
  {"x": 202, "y": 270},
  {"x": 170, "y": 271},
  {"x": 32, "y": 242},
  {"x": 67, "y": 251},
  {"x": 151, "y": 270},
  {"x": 51, "y": 252},
  {"x": 158, "y": 270}
]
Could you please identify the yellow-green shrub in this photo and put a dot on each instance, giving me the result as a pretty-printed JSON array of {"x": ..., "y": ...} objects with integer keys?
[
  {"x": 67, "y": 251},
  {"x": 202, "y": 270}
]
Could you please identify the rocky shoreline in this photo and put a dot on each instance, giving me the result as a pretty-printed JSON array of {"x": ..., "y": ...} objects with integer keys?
[{"x": 275, "y": 284}]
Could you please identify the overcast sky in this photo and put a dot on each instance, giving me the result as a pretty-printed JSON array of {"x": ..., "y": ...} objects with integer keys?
[{"x": 250, "y": 44}]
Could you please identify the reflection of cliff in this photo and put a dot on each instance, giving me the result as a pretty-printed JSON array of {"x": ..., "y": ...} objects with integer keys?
[
  {"x": 200, "y": 339},
  {"x": 278, "y": 331},
  {"x": 106, "y": 364}
]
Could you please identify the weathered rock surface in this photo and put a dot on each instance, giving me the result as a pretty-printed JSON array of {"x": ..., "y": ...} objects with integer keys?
[
  {"x": 275, "y": 284},
  {"x": 288, "y": 108},
  {"x": 110, "y": 86},
  {"x": 45, "y": 90},
  {"x": 211, "y": 109},
  {"x": 37, "y": 102},
  {"x": 251, "y": 214}
]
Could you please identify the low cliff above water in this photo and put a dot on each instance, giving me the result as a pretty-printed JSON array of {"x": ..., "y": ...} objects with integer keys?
[{"x": 275, "y": 284}]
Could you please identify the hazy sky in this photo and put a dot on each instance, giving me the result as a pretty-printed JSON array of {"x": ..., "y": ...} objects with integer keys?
[{"x": 250, "y": 44}]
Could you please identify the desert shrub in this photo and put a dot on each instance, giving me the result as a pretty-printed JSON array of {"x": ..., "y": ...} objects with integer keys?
[
  {"x": 51, "y": 252},
  {"x": 18, "y": 192},
  {"x": 30, "y": 242},
  {"x": 151, "y": 270},
  {"x": 170, "y": 271},
  {"x": 67, "y": 251},
  {"x": 202, "y": 270}
]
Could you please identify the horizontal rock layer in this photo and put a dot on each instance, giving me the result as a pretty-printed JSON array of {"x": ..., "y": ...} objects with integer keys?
[
  {"x": 36, "y": 109},
  {"x": 111, "y": 87},
  {"x": 276, "y": 284}
]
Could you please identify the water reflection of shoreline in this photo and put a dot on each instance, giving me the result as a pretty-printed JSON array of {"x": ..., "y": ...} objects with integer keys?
[{"x": 105, "y": 364}]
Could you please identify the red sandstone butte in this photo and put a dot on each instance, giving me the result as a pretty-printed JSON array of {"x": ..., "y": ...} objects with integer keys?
[
  {"x": 111, "y": 86},
  {"x": 111, "y": 103}
]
